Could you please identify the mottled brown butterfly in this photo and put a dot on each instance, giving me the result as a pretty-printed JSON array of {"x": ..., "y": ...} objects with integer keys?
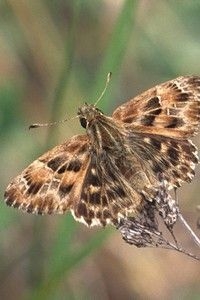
[{"x": 113, "y": 171}]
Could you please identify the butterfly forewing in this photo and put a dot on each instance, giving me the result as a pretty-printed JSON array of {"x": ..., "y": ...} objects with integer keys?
[
  {"x": 51, "y": 184},
  {"x": 171, "y": 109}
]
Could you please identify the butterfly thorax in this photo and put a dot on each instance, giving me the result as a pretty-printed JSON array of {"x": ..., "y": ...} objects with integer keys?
[{"x": 103, "y": 133}]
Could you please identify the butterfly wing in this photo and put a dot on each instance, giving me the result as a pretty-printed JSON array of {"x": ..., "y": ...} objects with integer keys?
[
  {"x": 72, "y": 177},
  {"x": 159, "y": 123},
  {"x": 106, "y": 193},
  {"x": 169, "y": 109},
  {"x": 175, "y": 159},
  {"x": 52, "y": 183}
]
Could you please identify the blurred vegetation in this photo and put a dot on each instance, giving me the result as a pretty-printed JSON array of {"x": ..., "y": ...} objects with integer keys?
[{"x": 55, "y": 55}]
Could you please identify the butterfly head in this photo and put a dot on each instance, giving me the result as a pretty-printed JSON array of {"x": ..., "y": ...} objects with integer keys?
[{"x": 87, "y": 114}]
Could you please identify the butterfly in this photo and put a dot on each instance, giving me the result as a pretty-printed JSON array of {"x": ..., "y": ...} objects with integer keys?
[{"x": 112, "y": 172}]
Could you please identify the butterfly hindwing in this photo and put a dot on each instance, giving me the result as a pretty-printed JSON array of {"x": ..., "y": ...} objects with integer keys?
[
  {"x": 106, "y": 193},
  {"x": 175, "y": 159},
  {"x": 159, "y": 123}
]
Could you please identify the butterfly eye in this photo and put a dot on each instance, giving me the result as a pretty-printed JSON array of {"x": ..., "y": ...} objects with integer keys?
[{"x": 83, "y": 122}]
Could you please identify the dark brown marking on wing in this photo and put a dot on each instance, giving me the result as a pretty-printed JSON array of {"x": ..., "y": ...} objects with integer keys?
[
  {"x": 99, "y": 214},
  {"x": 9, "y": 198},
  {"x": 81, "y": 210},
  {"x": 34, "y": 187},
  {"x": 95, "y": 198},
  {"x": 74, "y": 166},
  {"x": 155, "y": 143},
  {"x": 119, "y": 191},
  {"x": 30, "y": 208},
  {"x": 128, "y": 120},
  {"x": 175, "y": 145},
  {"x": 65, "y": 189},
  {"x": 175, "y": 123},
  {"x": 194, "y": 159},
  {"x": 106, "y": 214},
  {"x": 115, "y": 192},
  {"x": 62, "y": 169},
  {"x": 190, "y": 150},
  {"x": 93, "y": 180},
  {"x": 176, "y": 173},
  {"x": 173, "y": 154},
  {"x": 157, "y": 111},
  {"x": 148, "y": 120},
  {"x": 91, "y": 214},
  {"x": 152, "y": 104},
  {"x": 183, "y": 97},
  {"x": 16, "y": 204},
  {"x": 104, "y": 201},
  {"x": 56, "y": 162},
  {"x": 157, "y": 168}
]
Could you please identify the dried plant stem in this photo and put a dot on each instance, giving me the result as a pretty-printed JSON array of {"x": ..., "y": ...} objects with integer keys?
[
  {"x": 171, "y": 246},
  {"x": 194, "y": 236},
  {"x": 140, "y": 234}
]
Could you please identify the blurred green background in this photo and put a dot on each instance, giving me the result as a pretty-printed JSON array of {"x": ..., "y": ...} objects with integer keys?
[{"x": 54, "y": 55}]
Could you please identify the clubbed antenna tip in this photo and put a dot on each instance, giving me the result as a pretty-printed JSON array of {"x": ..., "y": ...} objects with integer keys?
[{"x": 106, "y": 85}]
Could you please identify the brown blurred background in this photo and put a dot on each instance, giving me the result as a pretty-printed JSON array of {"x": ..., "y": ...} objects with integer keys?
[{"x": 54, "y": 55}]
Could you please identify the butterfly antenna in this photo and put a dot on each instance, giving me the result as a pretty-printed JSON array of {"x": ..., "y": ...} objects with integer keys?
[
  {"x": 106, "y": 85},
  {"x": 36, "y": 125}
]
